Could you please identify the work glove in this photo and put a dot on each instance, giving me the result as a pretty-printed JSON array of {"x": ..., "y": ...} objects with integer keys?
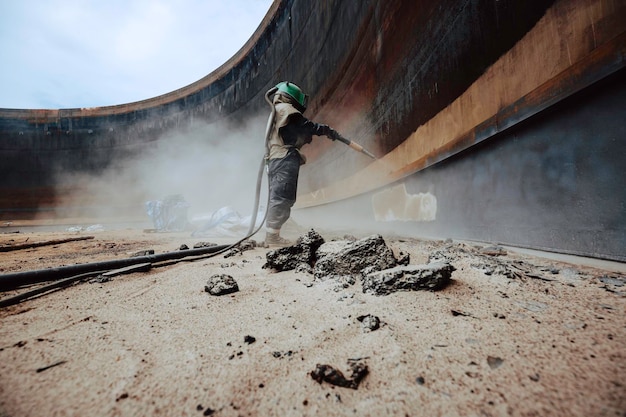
[
  {"x": 332, "y": 133},
  {"x": 328, "y": 131},
  {"x": 324, "y": 130}
]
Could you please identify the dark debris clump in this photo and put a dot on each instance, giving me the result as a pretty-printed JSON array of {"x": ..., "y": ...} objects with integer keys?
[
  {"x": 333, "y": 376},
  {"x": 291, "y": 257}
]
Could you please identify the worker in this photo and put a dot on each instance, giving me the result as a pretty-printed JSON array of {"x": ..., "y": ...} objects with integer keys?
[{"x": 290, "y": 131}]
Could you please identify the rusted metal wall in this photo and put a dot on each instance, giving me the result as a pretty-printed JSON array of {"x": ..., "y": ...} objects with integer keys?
[
  {"x": 553, "y": 182},
  {"x": 416, "y": 82}
]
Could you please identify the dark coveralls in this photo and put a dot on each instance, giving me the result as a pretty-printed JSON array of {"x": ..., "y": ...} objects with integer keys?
[{"x": 291, "y": 131}]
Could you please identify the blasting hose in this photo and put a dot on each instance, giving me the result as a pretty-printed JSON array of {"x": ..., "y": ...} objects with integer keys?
[{"x": 259, "y": 180}]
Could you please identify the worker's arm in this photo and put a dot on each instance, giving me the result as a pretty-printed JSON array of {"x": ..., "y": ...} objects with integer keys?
[
  {"x": 313, "y": 128},
  {"x": 299, "y": 125},
  {"x": 320, "y": 129}
]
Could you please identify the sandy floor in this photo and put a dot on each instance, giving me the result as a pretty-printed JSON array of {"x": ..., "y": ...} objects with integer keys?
[{"x": 516, "y": 334}]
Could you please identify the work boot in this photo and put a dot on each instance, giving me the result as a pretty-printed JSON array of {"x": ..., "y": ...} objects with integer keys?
[{"x": 274, "y": 239}]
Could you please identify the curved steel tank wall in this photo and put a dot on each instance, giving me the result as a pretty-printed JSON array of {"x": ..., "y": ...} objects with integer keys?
[{"x": 416, "y": 83}]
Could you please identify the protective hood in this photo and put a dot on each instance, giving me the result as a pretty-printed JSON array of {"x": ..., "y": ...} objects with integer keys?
[{"x": 300, "y": 100}]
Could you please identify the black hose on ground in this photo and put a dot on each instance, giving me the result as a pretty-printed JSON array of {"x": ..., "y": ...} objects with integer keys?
[
  {"x": 9, "y": 301},
  {"x": 16, "y": 280},
  {"x": 66, "y": 282}
]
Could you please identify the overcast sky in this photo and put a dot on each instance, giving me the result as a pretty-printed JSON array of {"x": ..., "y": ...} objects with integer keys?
[{"x": 87, "y": 53}]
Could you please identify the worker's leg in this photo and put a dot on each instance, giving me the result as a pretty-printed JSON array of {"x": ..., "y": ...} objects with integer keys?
[{"x": 283, "y": 179}]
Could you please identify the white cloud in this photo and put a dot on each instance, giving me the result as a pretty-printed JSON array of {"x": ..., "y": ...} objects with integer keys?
[{"x": 62, "y": 54}]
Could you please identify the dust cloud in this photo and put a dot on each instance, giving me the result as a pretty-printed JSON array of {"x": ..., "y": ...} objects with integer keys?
[{"x": 210, "y": 165}]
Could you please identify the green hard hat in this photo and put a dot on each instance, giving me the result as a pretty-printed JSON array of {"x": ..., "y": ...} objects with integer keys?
[{"x": 294, "y": 92}]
